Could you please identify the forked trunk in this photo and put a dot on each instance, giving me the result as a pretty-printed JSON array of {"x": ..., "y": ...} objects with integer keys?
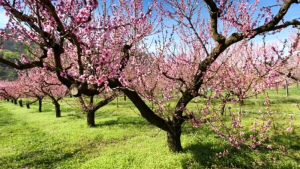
[
  {"x": 57, "y": 108},
  {"x": 173, "y": 140},
  {"x": 91, "y": 118}
]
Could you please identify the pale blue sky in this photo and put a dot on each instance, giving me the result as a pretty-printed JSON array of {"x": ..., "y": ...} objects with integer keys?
[
  {"x": 294, "y": 12},
  {"x": 3, "y": 18}
]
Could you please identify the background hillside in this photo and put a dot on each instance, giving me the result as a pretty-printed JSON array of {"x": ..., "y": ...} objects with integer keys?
[{"x": 11, "y": 50}]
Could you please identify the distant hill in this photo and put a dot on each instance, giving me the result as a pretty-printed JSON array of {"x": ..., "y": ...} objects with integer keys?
[
  {"x": 14, "y": 46},
  {"x": 11, "y": 50},
  {"x": 6, "y": 72}
]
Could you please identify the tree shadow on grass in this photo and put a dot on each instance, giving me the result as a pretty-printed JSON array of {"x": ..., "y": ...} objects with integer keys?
[
  {"x": 35, "y": 159},
  {"x": 124, "y": 121},
  {"x": 204, "y": 156}
]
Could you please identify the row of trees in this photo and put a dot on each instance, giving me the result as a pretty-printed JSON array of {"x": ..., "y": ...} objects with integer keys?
[{"x": 170, "y": 50}]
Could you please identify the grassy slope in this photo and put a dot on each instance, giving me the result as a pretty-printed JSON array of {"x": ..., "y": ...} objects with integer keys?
[{"x": 122, "y": 139}]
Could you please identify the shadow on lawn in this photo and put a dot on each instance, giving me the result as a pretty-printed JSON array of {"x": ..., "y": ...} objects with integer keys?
[
  {"x": 204, "y": 156},
  {"x": 36, "y": 159},
  {"x": 125, "y": 121}
]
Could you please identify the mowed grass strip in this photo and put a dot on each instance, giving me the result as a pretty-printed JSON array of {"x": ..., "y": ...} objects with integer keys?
[{"x": 123, "y": 139}]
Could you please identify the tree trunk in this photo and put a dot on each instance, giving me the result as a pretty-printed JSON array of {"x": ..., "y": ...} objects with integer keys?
[
  {"x": 286, "y": 88},
  {"x": 124, "y": 97},
  {"x": 173, "y": 140},
  {"x": 15, "y": 101},
  {"x": 91, "y": 118},
  {"x": 241, "y": 102},
  {"x": 20, "y": 103},
  {"x": 117, "y": 101},
  {"x": 7, "y": 100},
  {"x": 28, "y": 105},
  {"x": 57, "y": 108},
  {"x": 40, "y": 104},
  {"x": 223, "y": 111}
]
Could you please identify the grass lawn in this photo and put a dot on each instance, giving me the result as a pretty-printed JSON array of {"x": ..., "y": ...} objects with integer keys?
[{"x": 123, "y": 139}]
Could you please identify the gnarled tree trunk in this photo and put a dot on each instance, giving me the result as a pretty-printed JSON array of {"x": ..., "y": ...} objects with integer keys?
[
  {"x": 173, "y": 140},
  {"x": 91, "y": 108}
]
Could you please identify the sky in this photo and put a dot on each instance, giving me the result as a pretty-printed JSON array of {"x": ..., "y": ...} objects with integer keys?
[
  {"x": 294, "y": 12},
  {"x": 3, "y": 18}
]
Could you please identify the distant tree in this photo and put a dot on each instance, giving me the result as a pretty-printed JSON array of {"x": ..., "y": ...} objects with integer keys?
[
  {"x": 90, "y": 107},
  {"x": 39, "y": 83},
  {"x": 11, "y": 90}
]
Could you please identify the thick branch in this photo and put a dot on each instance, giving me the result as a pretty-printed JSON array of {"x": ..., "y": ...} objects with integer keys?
[
  {"x": 145, "y": 111},
  {"x": 214, "y": 12},
  {"x": 104, "y": 102},
  {"x": 22, "y": 66},
  {"x": 270, "y": 26}
]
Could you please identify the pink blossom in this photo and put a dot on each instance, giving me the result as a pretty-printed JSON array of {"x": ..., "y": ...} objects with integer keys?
[
  {"x": 63, "y": 74},
  {"x": 91, "y": 79},
  {"x": 24, "y": 59},
  {"x": 81, "y": 78}
]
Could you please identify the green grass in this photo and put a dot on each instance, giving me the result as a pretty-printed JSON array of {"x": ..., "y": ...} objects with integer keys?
[{"x": 123, "y": 139}]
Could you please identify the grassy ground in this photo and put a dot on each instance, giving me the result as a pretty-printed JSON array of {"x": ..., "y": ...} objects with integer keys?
[{"x": 123, "y": 139}]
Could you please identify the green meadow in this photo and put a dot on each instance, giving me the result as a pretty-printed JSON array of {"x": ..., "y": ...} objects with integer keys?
[{"x": 123, "y": 139}]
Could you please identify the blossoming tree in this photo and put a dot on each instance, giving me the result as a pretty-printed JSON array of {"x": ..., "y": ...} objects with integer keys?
[{"x": 39, "y": 83}]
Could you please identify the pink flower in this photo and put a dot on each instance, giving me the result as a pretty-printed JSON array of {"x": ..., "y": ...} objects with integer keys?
[
  {"x": 63, "y": 74},
  {"x": 289, "y": 129},
  {"x": 45, "y": 66},
  {"x": 81, "y": 78},
  {"x": 24, "y": 59},
  {"x": 91, "y": 79}
]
